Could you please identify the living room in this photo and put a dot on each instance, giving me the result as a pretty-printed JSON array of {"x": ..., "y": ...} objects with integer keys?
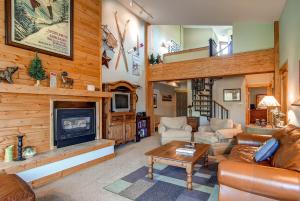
[{"x": 149, "y": 100}]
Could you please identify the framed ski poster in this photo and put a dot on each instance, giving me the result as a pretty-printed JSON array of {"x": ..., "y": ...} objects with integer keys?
[{"x": 44, "y": 26}]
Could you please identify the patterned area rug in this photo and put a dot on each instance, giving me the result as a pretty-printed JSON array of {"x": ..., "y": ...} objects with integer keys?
[{"x": 169, "y": 184}]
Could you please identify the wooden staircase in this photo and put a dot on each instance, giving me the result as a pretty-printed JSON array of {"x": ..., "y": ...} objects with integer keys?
[{"x": 202, "y": 93}]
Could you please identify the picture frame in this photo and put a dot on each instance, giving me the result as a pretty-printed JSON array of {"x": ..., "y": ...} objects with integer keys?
[
  {"x": 154, "y": 100},
  {"x": 40, "y": 26},
  {"x": 167, "y": 97},
  {"x": 232, "y": 95},
  {"x": 259, "y": 97}
]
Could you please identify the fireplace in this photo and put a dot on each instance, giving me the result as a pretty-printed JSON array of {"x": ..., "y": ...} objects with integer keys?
[{"x": 74, "y": 126}]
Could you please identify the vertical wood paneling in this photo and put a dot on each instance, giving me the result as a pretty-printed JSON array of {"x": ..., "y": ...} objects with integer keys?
[{"x": 30, "y": 114}]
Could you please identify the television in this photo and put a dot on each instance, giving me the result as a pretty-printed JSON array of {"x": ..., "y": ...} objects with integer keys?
[{"x": 120, "y": 102}]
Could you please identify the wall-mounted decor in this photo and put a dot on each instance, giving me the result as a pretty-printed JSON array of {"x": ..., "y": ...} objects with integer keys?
[
  {"x": 6, "y": 74},
  {"x": 45, "y": 26},
  {"x": 136, "y": 65},
  {"x": 167, "y": 97},
  {"x": 108, "y": 38},
  {"x": 154, "y": 100},
  {"x": 259, "y": 97},
  {"x": 122, "y": 40},
  {"x": 105, "y": 59},
  {"x": 232, "y": 95}
]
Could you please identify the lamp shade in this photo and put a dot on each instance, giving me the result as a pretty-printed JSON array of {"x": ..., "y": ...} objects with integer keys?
[
  {"x": 268, "y": 101},
  {"x": 296, "y": 103}
]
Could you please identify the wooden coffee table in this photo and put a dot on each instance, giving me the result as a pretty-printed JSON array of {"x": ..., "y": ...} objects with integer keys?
[{"x": 166, "y": 154}]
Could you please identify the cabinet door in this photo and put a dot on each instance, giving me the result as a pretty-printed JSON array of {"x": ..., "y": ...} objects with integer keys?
[
  {"x": 130, "y": 132},
  {"x": 116, "y": 133}
]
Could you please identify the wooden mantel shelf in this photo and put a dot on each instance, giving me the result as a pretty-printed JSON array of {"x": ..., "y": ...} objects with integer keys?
[{"x": 25, "y": 89}]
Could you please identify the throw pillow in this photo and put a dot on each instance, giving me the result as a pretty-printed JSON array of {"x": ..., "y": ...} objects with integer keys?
[{"x": 267, "y": 150}]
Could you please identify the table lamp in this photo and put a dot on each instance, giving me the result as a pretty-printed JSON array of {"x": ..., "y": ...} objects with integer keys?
[{"x": 269, "y": 102}]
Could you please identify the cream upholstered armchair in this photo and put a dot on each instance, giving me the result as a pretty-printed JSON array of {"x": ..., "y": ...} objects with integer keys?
[
  {"x": 174, "y": 128},
  {"x": 219, "y": 134}
]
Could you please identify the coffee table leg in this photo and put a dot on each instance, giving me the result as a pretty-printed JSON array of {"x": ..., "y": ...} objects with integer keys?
[
  {"x": 150, "y": 170},
  {"x": 189, "y": 178},
  {"x": 206, "y": 160}
]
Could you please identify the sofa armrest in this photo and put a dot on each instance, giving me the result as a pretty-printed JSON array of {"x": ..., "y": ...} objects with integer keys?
[
  {"x": 276, "y": 183},
  {"x": 252, "y": 139},
  {"x": 205, "y": 128},
  {"x": 161, "y": 129},
  {"x": 187, "y": 128}
]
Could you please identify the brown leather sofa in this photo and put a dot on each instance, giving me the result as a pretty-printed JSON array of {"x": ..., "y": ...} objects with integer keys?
[
  {"x": 13, "y": 188},
  {"x": 241, "y": 178}
]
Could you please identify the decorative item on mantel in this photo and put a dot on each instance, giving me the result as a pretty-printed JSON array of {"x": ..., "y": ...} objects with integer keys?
[
  {"x": 9, "y": 153},
  {"x": 66, "y": 81},
  {"x": 29, "y": 152},
  {"x": 36, "y": 70},
  {"x": 20, "y": 148},
  {"x": 53, "y": 80},
  {"x": 6, "y": 74}
]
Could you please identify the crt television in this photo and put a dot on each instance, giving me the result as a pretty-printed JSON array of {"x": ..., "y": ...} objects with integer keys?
[{"x": 120, "y": 102}]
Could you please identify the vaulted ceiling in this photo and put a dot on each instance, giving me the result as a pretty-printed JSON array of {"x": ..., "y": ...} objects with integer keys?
[{"x": 209, "y": 12}]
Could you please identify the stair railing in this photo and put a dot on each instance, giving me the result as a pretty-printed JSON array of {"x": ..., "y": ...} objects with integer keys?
[{"x": 219, "y": 111}]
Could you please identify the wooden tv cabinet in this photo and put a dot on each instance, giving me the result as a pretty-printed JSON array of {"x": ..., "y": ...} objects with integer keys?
[{"x": 119, "y": 126}]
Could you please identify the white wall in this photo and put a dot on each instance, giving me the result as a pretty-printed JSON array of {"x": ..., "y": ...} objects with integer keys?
[
  {"x": 165, "y": 108},
  {"x": 237, "y": 110},
  {"x": 195, "y": 38},
  {"x": 135, "y": 28},
  {"x": 252, "y": 36},
  {"x": 163, "y": 33}
]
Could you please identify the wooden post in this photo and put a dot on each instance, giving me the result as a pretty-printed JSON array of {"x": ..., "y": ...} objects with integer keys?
[
  {"x": 148, "y": 84},
  {"x": 277, "y": 91}
]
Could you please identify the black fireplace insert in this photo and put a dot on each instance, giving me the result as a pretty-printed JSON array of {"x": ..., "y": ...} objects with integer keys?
[{"x": 74, "y": 126}]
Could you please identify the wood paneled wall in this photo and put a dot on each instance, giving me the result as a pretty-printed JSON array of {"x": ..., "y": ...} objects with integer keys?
[{"x": 30, "y": 114}]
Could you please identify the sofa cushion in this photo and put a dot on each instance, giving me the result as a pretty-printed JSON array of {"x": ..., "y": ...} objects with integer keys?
[
  {"x": 205, "y": 138},
  {"x": 288, "y": 155},
  {"x": 217, "y": 124},
  {"x": 173, "y": 122},
  {"x": 267, "y": 150},
  {"x": 13, "y": 188},
  {"x": 176, "y": 133}
]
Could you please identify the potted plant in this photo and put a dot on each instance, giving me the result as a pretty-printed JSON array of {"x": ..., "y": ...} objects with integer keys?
[{"x": 36, "y": 70}]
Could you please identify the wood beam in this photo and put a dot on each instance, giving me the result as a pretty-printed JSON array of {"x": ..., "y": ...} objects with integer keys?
[
  {"x": 277, "y": 92},
  {"x": 261, "y": 61},
  {"x": 148, "y": 83}
]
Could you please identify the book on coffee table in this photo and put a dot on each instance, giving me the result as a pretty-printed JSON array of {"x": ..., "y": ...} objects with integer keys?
[{"x": 185, "y": 151}]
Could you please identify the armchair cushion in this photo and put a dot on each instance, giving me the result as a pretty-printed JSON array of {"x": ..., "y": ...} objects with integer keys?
[
  {"x": 205, "y": 128},
  {"x": 217, "y": 124},
  {"x": 173, "y": 122},
  {"x": 288, "y": 155},
  {"x": 176, "y": 133}
]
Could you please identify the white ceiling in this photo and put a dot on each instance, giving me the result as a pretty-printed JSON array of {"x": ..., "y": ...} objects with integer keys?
[{"x": 210, "y": 12}]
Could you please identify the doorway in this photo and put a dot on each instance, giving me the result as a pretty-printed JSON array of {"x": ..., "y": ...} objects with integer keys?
[
  {"x": 283, "y": 73},
  {"x": 181, "y": 104},
  {"x": 255, "y": 93}
]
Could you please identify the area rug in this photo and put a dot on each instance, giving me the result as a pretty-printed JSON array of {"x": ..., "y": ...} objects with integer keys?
[{"x": 169, "y": 184}]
